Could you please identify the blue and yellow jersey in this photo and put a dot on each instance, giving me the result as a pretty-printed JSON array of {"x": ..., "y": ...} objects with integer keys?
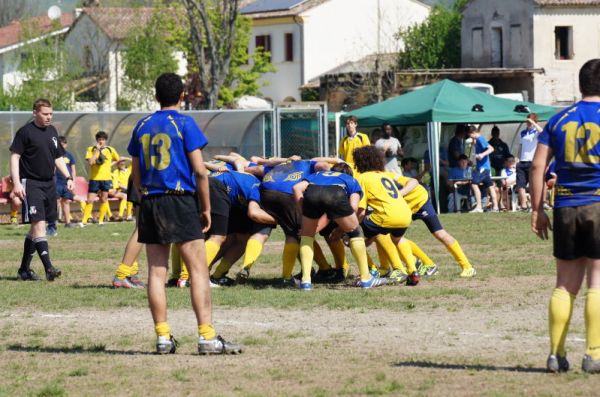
[
  {"x": 241, "y": 187},
  {"x": 161, "y": 141},
  {"x": 283, "y": 177},
  {"x": 331, "y": 178},
  {"x": 574, "y": 136},
  {"x": 102, "y": 172},
  {"x": 381, "y": 193}
]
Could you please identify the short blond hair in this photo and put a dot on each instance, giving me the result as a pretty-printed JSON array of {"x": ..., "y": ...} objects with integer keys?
[{"x": 41, "y": 102}]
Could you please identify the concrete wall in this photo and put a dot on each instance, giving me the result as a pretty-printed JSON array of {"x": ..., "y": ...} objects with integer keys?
[
  {"x": 513, "y": 18},
  {"x": 560, "y": 84}
]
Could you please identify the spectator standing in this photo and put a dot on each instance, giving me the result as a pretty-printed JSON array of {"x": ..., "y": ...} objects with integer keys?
[
  {"x": 501, "y": 151},
  {"x": 392, "y": 148},
  {"x": 35, "y": 153},
  {"x": 100, "y": 157},
  {"x": 460, "y": 176},
  {"x": 528, "y": 143},
  {"x": 64, "y": 195},
  {"x": 456, "y": 146},
  {"x": 174, "y": 209},
  {"x": 351, "y": 141},
  {"x": 482, "y": 171},
  {"x": 576, "y": 232}
]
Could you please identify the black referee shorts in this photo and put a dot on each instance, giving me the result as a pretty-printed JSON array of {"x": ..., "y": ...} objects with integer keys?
[
  {"x": 282, "y": 207},
  {"x": 40, "y": 201},
  {"x": 577, "y": 232},
  {"x": 523, "y": 174},
  {"x": 330, "y": 200},
  {"x": 166, "y": 219}
]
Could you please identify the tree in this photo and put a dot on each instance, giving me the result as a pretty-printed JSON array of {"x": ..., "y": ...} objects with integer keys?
[
  {"x": 219, "y": 39},
  {"x": 46, "y": 70},
  {"x": 149, "y": 52},
  {"x": 435, "y": 43}
]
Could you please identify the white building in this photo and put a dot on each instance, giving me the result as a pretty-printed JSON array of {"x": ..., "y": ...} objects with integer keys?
[
  {"x": 97, "y": 38},
  {"x": 307, "y": 38},
  {"x": 12, "y": 41},
  {"x": 558, "y": 36}
]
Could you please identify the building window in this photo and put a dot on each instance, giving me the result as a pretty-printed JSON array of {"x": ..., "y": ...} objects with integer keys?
[
  {"x": 289, "y": 47},
  {"x": 264, "y": 42},
  {"x": 515, "y": 45},
  {"x": 477, "y": 40},
  {"x": 497, "y": 48},
  {"x": 563, "y": 37},
  {"x": 87, "y": 56}
]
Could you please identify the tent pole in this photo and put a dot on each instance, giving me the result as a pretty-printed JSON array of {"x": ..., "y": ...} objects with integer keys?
[{"x": 433, "y": 144}]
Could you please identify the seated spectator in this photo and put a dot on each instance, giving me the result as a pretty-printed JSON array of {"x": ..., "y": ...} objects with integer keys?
[
  {"x": 551, "y": 178},
  {"x": 461, "y": 177},
  {"x": 120, "y": 177},
  {"x": 410, "y": 167},
  {"x": 482, "y": 171},
  {"x": 509, "y": 173},
  {"x": 15, "y": 203}
]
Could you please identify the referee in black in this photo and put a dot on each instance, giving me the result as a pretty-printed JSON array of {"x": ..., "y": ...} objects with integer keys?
[{"x": 35, "y": 153}]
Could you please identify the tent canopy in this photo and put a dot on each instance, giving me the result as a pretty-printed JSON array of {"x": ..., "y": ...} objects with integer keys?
[{"x": 447, "y": 102}]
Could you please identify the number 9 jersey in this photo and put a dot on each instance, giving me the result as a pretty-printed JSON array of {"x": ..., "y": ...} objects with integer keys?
[
  {"x": 574, "y": 136},
  {"x": 161, "y": 141},
  {"x": 381, "y": 192}
]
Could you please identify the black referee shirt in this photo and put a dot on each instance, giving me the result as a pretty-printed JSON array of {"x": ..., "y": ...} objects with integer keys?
[{"x": 38, "y": 147}]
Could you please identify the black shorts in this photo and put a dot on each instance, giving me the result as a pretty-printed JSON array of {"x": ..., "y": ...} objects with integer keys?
[
  {"x": 370, "y": 229},
  {"x": 239, "y": 222},
  {"x": 330, "y": 200},
  {"x": 283, "y": 208},
  {"x": 132, "y": 195},
  {"x": 219, "y": 199},
  {"x": 166, "y": 219},
  {"x": 99, "y": 186},
  {"x": 482, "y": 178},
  {"x": 40, "y": 201},
  {"x": 523, "y": 174},
  {"x": 62, "y": 192},
  {"x": 577, "y": 232},
  {"x": 428, "y": 215}
]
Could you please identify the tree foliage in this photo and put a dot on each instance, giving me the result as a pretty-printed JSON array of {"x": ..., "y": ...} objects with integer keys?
[
  {"x": 435, "y": 43},
  {"x": 150, "y": 52},
  {"x": 219, "y": 39},
  {"x": 46, "y": 69}
]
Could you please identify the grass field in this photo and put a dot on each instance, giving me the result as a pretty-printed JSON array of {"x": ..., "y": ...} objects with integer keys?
[{"x": 448, "y": 336}]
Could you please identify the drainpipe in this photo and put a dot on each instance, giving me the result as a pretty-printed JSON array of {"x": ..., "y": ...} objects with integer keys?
[{"x": 300, "y": 22}]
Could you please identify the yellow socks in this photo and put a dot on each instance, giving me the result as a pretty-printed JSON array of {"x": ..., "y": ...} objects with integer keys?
[
  {"x": 13, "y": 214},
  {"x": 104, "y": 209},
  {"x": 123, "y": 271},
  {"x": 253, "y": 250},
  {"x": 290, "y": 252},
  {"x": 212, "y": 249},
  {"x": 306, "y": 256},
  {"x": 135, "y": 268},
  {"x": 406, "y": 256},
  {"x": 592, "y": 323},
  {"x": 129, "y": 209},
  {"x": 319, "y": 257},
  {"x": 359, "y": 251},
  {"x": 339, "y": 255},
  {"x": 162, "y": 329},
  {"x": 388, "y": 246},
  {"x": 419, "y": 253},
  {"x": 222, "y": 268},
  {"x": 122, "y": 206},
  {"x": 559, "y": 314},
  {"x": 87, "y": 212},
  {"x": 384, "y": 263},
  {"x": 458, "y": 255},
  {"x": 207, "y": 331}
]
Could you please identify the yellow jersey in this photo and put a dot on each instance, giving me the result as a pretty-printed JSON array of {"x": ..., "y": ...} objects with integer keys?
[
  {"x": 381, "y": 192},
  {"x": 101, "y": 172},
  {"x": 417, "y": 197},
  {"x": 348, "y": 144},
  {"x": 120, "y": 178}
]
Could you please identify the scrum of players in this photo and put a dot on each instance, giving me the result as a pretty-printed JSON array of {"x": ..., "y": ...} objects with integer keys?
[{"x": 348, "y": 205}]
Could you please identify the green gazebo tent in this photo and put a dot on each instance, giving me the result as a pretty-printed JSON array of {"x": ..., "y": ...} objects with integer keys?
[{"x": 446, "y": 102}]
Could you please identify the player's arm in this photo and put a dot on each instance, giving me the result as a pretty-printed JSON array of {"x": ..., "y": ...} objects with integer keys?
[
  {"x": 354, "y": 200},
  {"x": 328, "y": 160},
  {"x": 259, "y": 215},
  {"x": 322, "y": 166},
  {"x": 197, "y": 163},
  {"x": 299, "y": 189},
  {"x": 273, "y": 161},
  {"x": 535, "y": 125},
  {"x": 212, "y": 167},
  {"x": 18, "y": 189},
  {"x": 540, "y": 224},
  {"x": 60, "y": 164},
  {"x": 408, "y": 185}
]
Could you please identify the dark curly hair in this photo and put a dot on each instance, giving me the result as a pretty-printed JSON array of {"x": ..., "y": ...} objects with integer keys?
[
  {"x": 368, "y": 158},
  {"x": 343, "y": 168}
]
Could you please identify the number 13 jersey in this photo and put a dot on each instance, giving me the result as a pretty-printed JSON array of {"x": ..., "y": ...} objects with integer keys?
[
  {"x": 162, "y": 141},
  {"x": 574, "y": 136}
]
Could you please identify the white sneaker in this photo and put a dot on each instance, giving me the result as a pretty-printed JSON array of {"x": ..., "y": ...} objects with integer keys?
[
  {"x": 217, "y": 345},
  {"x": 166, "y": 345},
  {"x": 476, "y": 210}
]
